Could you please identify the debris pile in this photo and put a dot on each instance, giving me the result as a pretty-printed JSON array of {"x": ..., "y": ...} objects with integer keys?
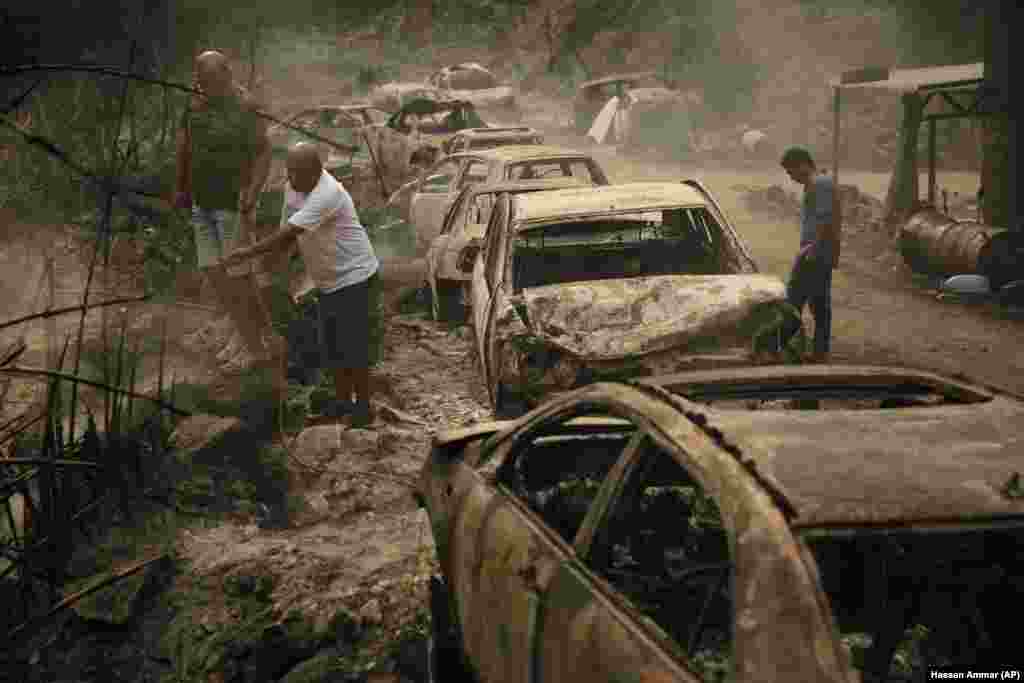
[
  {"x": 858, "y": 208},
  {"x": 773, "y": 200}
]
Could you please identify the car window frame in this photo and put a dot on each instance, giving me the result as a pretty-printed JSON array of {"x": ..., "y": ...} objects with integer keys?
[
  {"x": 456, "y": 208},
  {"x": 469, "y": 164}
]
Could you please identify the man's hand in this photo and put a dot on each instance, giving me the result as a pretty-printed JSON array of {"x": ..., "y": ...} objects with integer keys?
[
  {"x": 236, "y": 257},
  {"x": 182, "y": 200},
  {"x": 806, "y": 252}
]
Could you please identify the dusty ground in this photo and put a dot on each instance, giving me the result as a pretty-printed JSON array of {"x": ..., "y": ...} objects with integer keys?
[{"x": 361, "y": 543}]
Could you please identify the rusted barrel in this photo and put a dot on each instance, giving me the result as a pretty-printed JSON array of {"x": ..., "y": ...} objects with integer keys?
[{"x": 932, "y": 242}]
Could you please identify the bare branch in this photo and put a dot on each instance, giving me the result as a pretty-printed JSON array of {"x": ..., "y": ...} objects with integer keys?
[
  {"x": 72, "y": 309},
  {"x": 37, "y": 373},
  {"x": 75, "y": 597}
]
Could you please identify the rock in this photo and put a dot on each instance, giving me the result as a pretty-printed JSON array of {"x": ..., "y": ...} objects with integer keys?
[
  {"x": 371, "y": 612},
  {"x": 318, "y": 445},
  {"x": 120, "y": 602},
  {"x": 208, "y": 439}
]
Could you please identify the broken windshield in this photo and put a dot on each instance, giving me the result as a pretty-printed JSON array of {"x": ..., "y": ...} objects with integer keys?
[
  {"x": 684, "y": 241},
  {"x": 909, "y": 601}
]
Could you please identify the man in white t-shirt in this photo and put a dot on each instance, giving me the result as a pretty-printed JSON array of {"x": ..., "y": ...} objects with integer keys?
[{"x": 319, "y": 214}]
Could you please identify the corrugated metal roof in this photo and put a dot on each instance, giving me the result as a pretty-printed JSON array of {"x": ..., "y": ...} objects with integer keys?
[
  {"x": 908, "y": 80},
  {"x": 605, "y": 199}
]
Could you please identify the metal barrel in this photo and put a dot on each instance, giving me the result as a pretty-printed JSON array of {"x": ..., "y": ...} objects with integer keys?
[{"x": 932, "y": 242}]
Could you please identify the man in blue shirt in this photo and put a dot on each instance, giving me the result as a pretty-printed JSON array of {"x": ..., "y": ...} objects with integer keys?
[{"x": 811, "y": 279}]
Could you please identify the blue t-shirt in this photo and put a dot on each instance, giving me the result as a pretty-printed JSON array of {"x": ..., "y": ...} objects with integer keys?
[{"x": 816, "y": 209}]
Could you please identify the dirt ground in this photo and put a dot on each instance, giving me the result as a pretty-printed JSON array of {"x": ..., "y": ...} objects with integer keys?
[{"x": 360, "y": 542}]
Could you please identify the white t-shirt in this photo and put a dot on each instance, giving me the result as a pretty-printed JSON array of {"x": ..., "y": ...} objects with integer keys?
[{"x": 333, "y": 244}]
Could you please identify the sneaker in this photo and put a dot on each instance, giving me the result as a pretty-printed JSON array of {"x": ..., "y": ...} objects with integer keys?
[
  {"x": 362, "y": 416},
  {"x": 338, "y": 408}
]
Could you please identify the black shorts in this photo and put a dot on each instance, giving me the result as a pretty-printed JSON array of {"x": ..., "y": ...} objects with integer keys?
[{"x": 348, "y": 320}]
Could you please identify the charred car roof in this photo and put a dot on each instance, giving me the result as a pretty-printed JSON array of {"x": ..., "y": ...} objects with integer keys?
[
  {"x": 606, "y": 198},
  {"x": 424, "y": 105},
  {"x": 527, "y": 185},
  {"x": 514, "y": 153},
  {"x": 953, "y": 463}
]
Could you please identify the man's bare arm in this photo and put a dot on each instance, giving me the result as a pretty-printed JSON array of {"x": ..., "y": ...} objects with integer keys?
[
  {"x": 257, "y": 170},
  {"x": 280, "y": 240}
]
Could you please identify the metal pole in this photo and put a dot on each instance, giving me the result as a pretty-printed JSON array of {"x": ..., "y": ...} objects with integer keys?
[
  {"x": 835, "y": 138},
  {"x": 931, "y": 161}
]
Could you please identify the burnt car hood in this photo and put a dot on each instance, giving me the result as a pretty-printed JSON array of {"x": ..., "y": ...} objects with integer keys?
[{"x": 608, "y": 319}]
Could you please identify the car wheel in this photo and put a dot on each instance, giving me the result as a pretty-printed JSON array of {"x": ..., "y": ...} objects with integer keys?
[
  {"x": 446, "y": 657},
  {"x": 509, "y": 404},
  {"x": 448, "y": 307}
]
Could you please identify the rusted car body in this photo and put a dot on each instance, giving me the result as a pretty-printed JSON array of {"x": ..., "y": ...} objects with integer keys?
[
  {"x": 449, "y": 262},
  {"x": 582, "y": 284},
  {"x": 488, "y": 138},
  {"x": 416, "y": 134},
  {"x": 592, "y": 95},
  {"x": 473, "y": 82},
  {"x": 426, "y": 200},
  {"x": 339, "y": 135},
  {"x": 642, "y": 532}
]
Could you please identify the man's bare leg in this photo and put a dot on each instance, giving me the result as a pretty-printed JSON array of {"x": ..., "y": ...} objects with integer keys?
[
  {"x": 342, "y": 385},
  {"x": 362, "y": 413}
]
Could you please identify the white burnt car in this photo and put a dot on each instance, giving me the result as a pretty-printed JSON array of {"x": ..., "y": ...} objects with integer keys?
[
  {"x": 449, "y": 262},
  {"x": 474, "y": 139},
  {"x": 426, "y": 200},
  {"x": 473, "y": 82},
  {"x": 577, "y": 285}
]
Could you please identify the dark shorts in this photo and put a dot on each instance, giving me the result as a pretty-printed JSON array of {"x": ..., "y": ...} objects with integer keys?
[{"x": 349, "y": 318}]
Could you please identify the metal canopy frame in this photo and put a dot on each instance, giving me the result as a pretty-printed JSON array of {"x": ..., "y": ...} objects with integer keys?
[{"x": 949, "y": 83}]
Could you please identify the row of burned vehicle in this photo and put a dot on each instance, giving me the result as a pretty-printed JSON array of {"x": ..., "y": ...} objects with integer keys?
[
  {"x": 672, "y": 511},
  {"x": 568, "y": 279},
  {"x": 627, "y": 530}
]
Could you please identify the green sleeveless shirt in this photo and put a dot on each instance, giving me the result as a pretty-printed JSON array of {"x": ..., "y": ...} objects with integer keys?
[{"x": 224, "y": 135}]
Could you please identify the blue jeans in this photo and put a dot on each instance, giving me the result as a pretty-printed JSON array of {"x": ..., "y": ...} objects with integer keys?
[{"x": 810, "y": 282}]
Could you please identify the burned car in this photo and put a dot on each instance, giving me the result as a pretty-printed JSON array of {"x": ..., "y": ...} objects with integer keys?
[
  {"x": 449, "y": 262},
  {"x": 338, "y": 130},
  {"x": 416, "y": 134},
  {"x": 473, "y": 82},
  {"x": 592, "y": 95},
  {"x": 576, "y": 285},
  {"x": 393, "y": 96},
  {"x": 426, "y": 200},
  {"x": 641, "y": 532},
  {"x": 495, "y": 136}
]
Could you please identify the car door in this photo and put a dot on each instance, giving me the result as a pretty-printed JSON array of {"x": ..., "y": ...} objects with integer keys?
[
  {"x": 496, "y": 267},
  {"x": 439, "y": 245},
  {"x": 487, "y": 271},
  {"x": 653, "y": 590},
  {"x": 431, "y": 197},
  {"x": 470, "y": 224},
  {"x": 518, "y": 528}
]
